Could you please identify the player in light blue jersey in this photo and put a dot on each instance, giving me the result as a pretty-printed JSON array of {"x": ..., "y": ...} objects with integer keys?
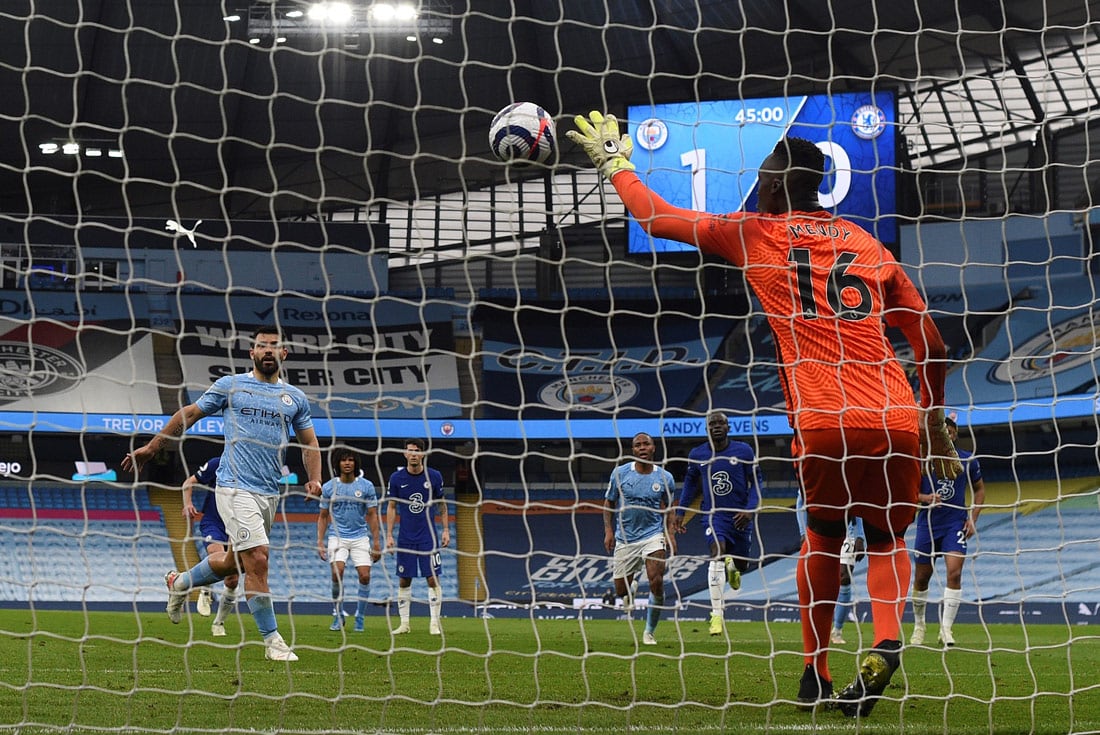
[
  {"x": 415, "y": 492},
  {"x": 259, "y": 412},
  {"x": 213, "y": 534},
  {"x": 634, "y": 527},
  {"x": 725, "y": 474},
  {"x": 852, "y": 552},
  {"x": 350, "y": 503},
  {"x": 944, "y": 524}
]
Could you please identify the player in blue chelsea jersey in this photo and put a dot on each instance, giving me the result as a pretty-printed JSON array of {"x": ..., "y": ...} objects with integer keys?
[
  {"x": 259, "y": 411},
  {"x": 212, "y": 532},
  {"x": 350, "y": 503},
  {"x": 634, "y": 527},
  {"x": 725, "y": 473},
  {"x": 416, "y": 491},
  {"x": 944, "y": 524}
]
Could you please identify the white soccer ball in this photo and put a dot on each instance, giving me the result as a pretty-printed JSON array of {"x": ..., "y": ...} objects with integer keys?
[{"x": 521, "y": 132}]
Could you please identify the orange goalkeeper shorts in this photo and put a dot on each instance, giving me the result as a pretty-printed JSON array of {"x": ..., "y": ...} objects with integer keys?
[{"x": 869, "y": 473}]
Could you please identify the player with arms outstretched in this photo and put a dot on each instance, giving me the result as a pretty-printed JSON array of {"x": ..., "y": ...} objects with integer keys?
[
  {"x": 415, "y": 492},
  {"x": 828, "y": 289},
  {"x": 634, "y": 527},
  {"x": 945, "y": 523},
  {"x": 349, "y": 503},
  {"x": 726, "y": 475}
]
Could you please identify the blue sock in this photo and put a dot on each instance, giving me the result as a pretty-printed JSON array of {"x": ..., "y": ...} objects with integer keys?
[
  {"x": 653, "y": 612},
  {"x": 361, "y": 607},
  {"x": 337, "y": 603},
  {"x": 843, "y": 603},
  {"x": 199, "y": 575},
  {"x": 263, "y": 612}
]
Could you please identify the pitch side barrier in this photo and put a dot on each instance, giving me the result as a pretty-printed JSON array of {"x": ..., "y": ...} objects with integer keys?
[{"x": 775, "y": 425}]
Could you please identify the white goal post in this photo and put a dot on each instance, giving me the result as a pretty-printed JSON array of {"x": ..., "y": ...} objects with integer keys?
[{"x": 175, "y": 174}]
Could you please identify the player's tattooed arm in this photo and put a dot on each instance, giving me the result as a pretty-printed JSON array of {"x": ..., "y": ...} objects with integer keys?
[{"x": 180, "y": 422}]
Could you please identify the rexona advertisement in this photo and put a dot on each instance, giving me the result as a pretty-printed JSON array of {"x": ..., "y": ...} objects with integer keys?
[{"x": 705, "y": 155}]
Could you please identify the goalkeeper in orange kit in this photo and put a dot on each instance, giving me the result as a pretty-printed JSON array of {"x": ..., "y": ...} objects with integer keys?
[{"x": 828, "y": 290}]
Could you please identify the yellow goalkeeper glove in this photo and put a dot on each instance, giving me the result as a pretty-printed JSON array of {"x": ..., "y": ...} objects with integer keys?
[
  {"x": 937, "y": 446},
  {"x": 600, "y": 139}
]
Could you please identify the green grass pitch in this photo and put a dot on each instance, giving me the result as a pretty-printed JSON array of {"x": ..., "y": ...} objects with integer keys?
[{"x": 124, "y": 672}]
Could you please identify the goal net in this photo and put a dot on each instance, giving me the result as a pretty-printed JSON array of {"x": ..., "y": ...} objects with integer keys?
[{"x": 176, "y": 174}]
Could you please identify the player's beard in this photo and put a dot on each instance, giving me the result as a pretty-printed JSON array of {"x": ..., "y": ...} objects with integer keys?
[{"x": 266, "y": 365}]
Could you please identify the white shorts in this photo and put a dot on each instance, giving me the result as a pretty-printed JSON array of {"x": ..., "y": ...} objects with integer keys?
[
  {"x": 630, "y": 558},
  {"x": 247, "y": 515},
  {"x": 848, "y": 552},
  {"x": 358, "y": 550}
]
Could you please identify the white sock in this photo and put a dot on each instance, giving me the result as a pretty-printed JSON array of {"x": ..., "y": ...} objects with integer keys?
[
  {"x": 628, "y": 598},
  {"x": 435, "y": 603},
  {"x": 716, "y": 584},
  {"x": 225, "y": 605},
  {"x": 920, "y": 605},
  {"x": 404, "y": 602},
  {"x": 951, "y": 601}
]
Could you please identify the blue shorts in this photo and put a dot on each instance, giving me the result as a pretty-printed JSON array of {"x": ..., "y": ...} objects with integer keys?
[
  {"x": 212, "y": 530},
  {"x": 941, "y": 539},
  {"x": 418, "y": 562},
  {"x": 730, "y": 539}
]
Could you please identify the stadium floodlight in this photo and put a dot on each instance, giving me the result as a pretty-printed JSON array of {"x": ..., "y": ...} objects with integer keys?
[
  {"x": 83, "y": 147},
  {"x": 334, "y": 13},
  {"x": 392, "y": 12},
  {"x": 402, "y": 18}
]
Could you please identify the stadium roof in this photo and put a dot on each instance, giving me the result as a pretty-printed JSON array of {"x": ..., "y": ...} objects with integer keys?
[{"x": 269, "y": 115}]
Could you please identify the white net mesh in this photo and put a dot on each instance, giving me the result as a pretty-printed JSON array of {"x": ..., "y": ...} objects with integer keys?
[{"x": 175, "y": 174}]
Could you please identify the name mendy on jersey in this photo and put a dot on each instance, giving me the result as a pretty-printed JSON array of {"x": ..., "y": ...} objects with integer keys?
[{"x": 818, "y": 228}]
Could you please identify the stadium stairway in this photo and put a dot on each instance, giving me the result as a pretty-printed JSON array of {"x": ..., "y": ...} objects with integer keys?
[{"x": 180, "y": 537}]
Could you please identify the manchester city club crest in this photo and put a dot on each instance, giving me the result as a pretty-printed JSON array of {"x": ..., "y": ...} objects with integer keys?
[
  {"x": 1066, "y": 344},
  {"x": 651, "y": 134},
  {"x": 30, "y": 370},
  {"x": 588, "y": 392}
]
